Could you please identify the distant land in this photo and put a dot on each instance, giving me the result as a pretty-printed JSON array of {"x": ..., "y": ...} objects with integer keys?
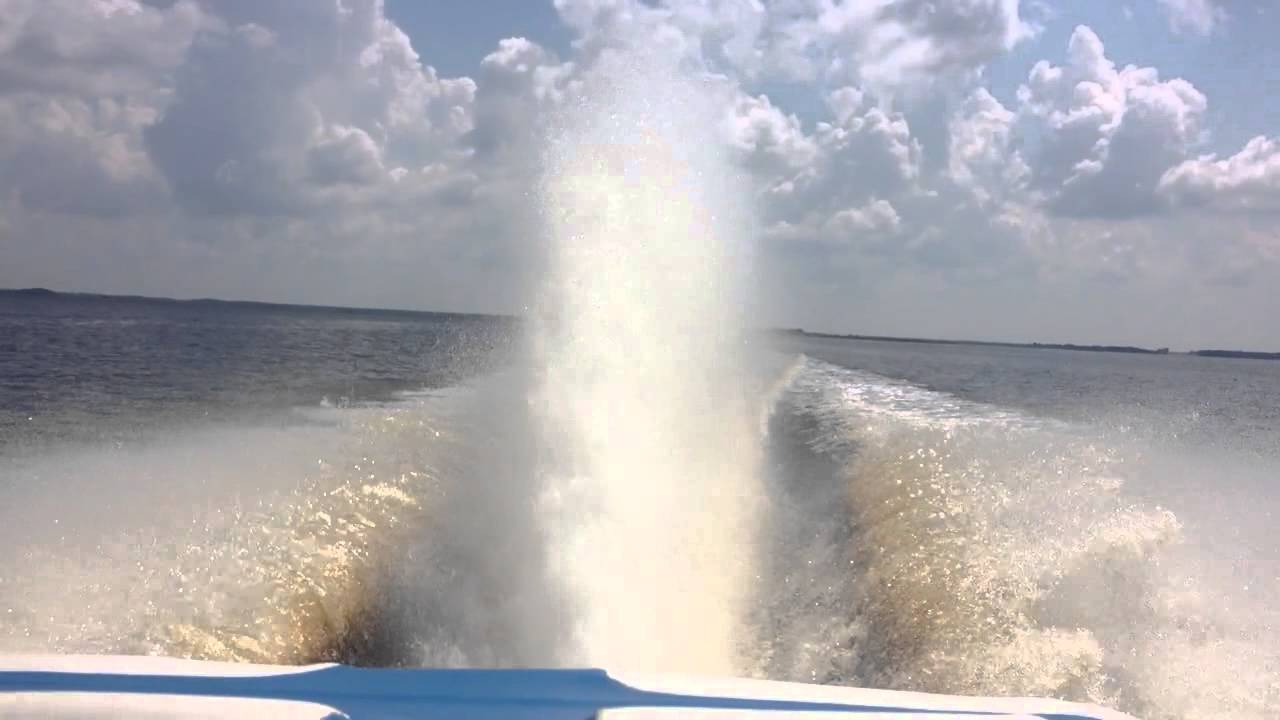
[
  {"x": 35, "y": 292},
  {"x": 1234, "y": 354},
  {"x": 39, "y": 292},
  {"x": 1247, "y": 354}
]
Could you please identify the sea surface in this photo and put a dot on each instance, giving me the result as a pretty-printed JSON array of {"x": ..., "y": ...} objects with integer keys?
[{"x": 289, "y": 484}]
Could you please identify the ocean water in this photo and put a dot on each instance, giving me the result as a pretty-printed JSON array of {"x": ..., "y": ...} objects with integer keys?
[
  {"x": 1021, "y": 521},
  {"x": 85, "y": 367},
  {"x": 219, "y": 481}
]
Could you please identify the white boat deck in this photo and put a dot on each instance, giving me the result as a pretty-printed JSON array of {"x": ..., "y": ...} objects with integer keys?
[{"x": 55, "y": 686}]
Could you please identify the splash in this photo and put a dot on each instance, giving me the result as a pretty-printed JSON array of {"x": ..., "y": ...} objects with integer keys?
[
  {"x": 961, "y": 548},
  {"x": 278, "y": 558},
  {"x": 650, "y": 449}
]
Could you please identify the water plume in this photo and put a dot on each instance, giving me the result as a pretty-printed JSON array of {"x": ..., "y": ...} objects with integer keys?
[{"x": 650, "y": 451}]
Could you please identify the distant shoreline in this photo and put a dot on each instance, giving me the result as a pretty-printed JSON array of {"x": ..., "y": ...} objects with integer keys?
[
  {"x": 1238, "y": 354},
  {"x": 1124, "y": 349},
  {"x": 216, "y": 302}
]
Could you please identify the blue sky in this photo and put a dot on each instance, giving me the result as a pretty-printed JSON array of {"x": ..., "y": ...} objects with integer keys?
[
  {"x": 1059, "y": 171},
  {"x": 458, "y": 35},
  {"x": 1234, "y": 66},
  {"x": 1231, "y": 66}
]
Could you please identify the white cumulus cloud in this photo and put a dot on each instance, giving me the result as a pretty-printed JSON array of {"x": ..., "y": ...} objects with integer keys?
[
  {"x": 875, "y": 217},
  {"x": 305, "y": 151},
  {"x": 1198, "y": 17},
  {"x": 1107, "y": 134},
  {"x": 1246, "y": 181}
]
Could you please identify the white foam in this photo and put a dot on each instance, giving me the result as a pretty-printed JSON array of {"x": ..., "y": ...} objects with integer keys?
[
  {"x": 992, "y": 552},
  {"x": 650, "y": 446}
]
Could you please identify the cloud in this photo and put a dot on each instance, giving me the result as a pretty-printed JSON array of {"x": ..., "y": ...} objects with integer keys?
[
  {"x": 1198, "y": 17},
  {"x": 838, "y": 166},
  {"x": 1106, "y": 135},
  {"x": 877, "y": 216},
  {"x": 771, "y": 143},
  {"x": 92, "y": 47},
  {"x": 887, "y": 44},
  {"x": 284, "y": 150},
  {"x": 304, "y": 151},
  {"x": 1248, "y": 181},
  {"x": 283, "y": 102},
  {"x": 882, "y": 44},
  {"x": 523, "y": 82},
  {"x": 983, "y": 154},
  {"x": 78, "y": 82},
  {"x": 1034, "y": 189},
  {"x": 76, "y": 155},
  {"x": 345, "y": 154}
]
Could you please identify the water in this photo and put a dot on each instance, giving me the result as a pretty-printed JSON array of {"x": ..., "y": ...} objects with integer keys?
[
  {"x": 216, "y": 480},
  {"x": 1017, "y": 521},
  {"x": 93, "y": 368},
  {"x": 631, "y": 478},
  {"x": 945, "y": 518},
  {"x": 653, "y": 474}
]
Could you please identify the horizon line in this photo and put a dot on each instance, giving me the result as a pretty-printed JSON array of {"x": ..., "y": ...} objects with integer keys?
[{"x": 1089, "y": 347}]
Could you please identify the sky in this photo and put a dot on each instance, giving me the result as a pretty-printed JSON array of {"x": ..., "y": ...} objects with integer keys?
[{"x": 1096, "y": 171}]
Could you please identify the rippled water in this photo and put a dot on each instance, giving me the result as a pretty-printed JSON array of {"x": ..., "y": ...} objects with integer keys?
[
  {"x": 95, "y": 368},
  {"x": 286, "y": 485}
]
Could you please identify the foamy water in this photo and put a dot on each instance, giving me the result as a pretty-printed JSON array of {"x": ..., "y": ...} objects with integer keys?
[
  {"x": 977, "y": 550},
  {"x": 905, "y": 538},
  {"x": 651, "y": 478}
]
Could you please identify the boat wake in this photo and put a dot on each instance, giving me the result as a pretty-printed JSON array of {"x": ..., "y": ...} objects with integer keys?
[
  {"x": 907, "y": 540},
  {"x": 924, "y": 542}
]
